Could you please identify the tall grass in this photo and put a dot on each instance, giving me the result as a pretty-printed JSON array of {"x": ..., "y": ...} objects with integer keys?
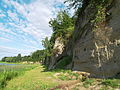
[
  {"x": 9, "y": 72},
  {"x": 6, "y": 76}
]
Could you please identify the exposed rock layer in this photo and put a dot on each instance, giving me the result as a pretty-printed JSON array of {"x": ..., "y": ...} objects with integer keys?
[{"x": 96, "y": 51}]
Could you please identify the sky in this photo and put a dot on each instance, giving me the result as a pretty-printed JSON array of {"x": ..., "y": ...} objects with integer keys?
[{"x": 24, "y": 23}]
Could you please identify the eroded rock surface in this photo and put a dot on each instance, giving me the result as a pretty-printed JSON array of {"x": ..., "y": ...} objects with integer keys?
[
  {"x": 94, "y": 50},
  {"x": 98, "y": 52},
  {"x": 58, "y": 50}
]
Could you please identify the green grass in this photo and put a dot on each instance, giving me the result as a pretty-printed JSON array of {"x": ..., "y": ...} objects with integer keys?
[
  {"x": 35, "y": 79},
  {"x": 11, "y": 62},
  {"x": 88, "y": 82},
  {"x": 8, "y": 72},
  {"x": 114, "y": 83},
  {"x": 6, "y": 76},
  {"x": 68, "y": 75},
  {"x": 19, "y": 67},
  {"x": 106, "y": 84},
  {"x": 30, "y": 77}
]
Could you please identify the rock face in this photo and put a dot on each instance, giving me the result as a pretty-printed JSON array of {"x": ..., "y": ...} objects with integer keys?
[
  {"x": 95, "y": 50},
  {"x": 98, "y": 52},
  {"x": 58, "y": 50},
  {"x": 58, "y": 46}
]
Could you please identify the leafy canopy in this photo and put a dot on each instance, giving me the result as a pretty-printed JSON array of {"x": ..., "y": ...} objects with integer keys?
[{"x": 62, "y": 26}]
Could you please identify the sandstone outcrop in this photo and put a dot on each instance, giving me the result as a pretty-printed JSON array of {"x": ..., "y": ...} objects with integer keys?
[
  {"x": 57, "y": 51},
  {"x": 96, "y": 50}
]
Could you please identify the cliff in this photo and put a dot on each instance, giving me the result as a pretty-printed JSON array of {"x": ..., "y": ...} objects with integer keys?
[
  {"x": 97, "y": 49},
  {"x": 95, "y": 43}
]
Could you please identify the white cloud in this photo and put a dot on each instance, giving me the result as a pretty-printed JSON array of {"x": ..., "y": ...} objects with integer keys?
[
  {"x": 1, "y": 15},
  {"x": 37, "y": 14},
  {"x": 13, "y": 16},
  {"x": 8, "y": 51},
  {"x": 5, "y": 39}
]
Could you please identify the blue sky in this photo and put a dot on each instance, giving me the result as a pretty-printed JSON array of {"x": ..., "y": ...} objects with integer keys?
[{"x": 24, "y": 23}]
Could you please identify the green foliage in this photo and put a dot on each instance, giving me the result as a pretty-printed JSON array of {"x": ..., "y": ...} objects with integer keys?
[
  {"x": 9, "y": 72},
  {"x": 38, "y": 55},
  {"x": 62, "y": 21},
  {"x": 63, "y": 62},
  {"x": 48, "y": 47},
  {"x": 114, "y": 83},
  {"x": 68, "y": 76},
  {"x": 6, "y": 76},
  {"x": 101, "y": 15},
  {"x": 104, "y": 3},
  {"x": 17, "y": 58},
  {"x": 62, "y": 26},
  {"x": 88, "y": 82},
  {"x": 27, "y": 58}
]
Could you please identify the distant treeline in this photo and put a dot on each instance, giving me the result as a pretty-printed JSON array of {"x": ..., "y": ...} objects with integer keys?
[{"x": 36, "y": 56}]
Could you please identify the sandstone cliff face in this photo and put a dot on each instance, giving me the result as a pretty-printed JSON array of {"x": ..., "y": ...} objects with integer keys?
[
  {"x": 94, "y": 50},
  {"x": 98, "y": 52},
  {"x": 57, "y": 51}
]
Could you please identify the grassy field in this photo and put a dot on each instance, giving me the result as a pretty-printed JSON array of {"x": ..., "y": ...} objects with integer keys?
[
  {"x": 8, "y": 72},
  {"x": 34, "y": 77}
]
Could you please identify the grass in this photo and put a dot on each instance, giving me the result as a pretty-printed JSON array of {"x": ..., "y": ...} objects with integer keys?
[
  {"x": 114, "y": 83},
  {"x": 88, "y": 82},
  {"x": 8, "y": 72},
  {"x": 6, "y": 76},
  {"x": 11, "y": 62},
  {"x": 68, "y": 75},
  {"x": 19, "y": 67},
  {"x": 27, "y": 77},
  {"x": 64, "y": 74},
  {"x": 104, "y": 84},
  {"x": 35, "y": 79}
]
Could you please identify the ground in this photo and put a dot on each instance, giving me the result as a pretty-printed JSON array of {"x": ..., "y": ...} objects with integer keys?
[
  {"x": 39, "y": 79},
  {"x": 34, "y": 79}
]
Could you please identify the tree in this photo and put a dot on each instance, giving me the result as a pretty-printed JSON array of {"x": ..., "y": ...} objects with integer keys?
[
  {"x": 18, "y": 58},
  {"x": 48, "y": 47},
  {"x": 62, "y": 26},
  {"x": 38, "y": 55},
  {"x": 4, "y": 59}
]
